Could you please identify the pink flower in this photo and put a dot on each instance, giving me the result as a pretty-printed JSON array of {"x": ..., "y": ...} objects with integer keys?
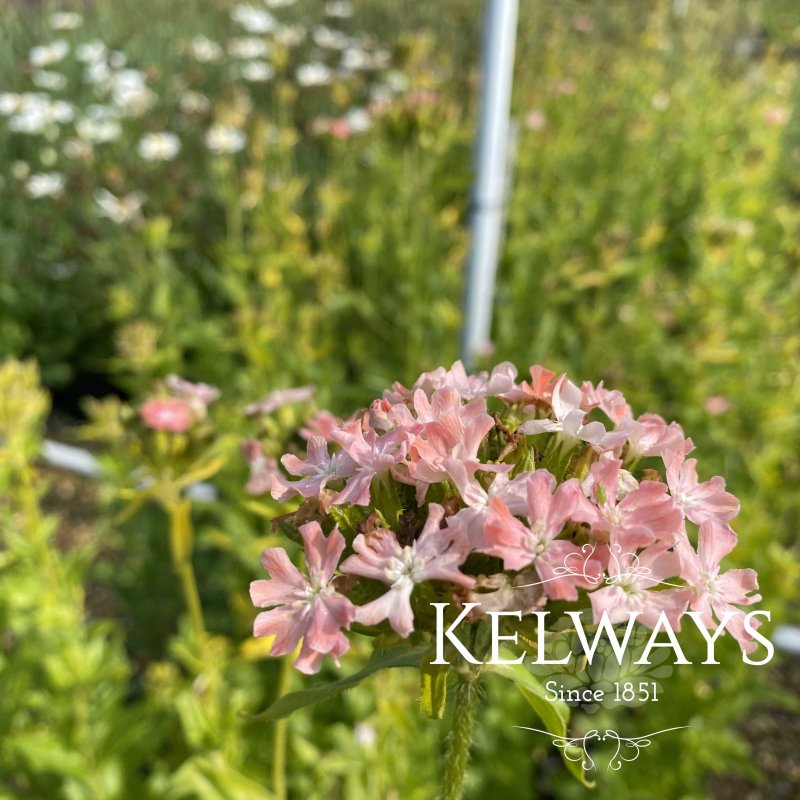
[
  {"x": 307, "y": 608},
  {"x": 649, "y": 435},
  {"x": 262, "y": 468},
  {"x": 434, "y": 556},
  {"x": 539, "y": 391},
  {"x": 610, "y": 401},
  {"x": 699, "y": 501},
  {"x": 171, "y": 414},
  {"x": 452, "y": 432},
  {"x": 278, "y": 399},
  {"x": 643, "y": 516},
  {"x": 631, "y": 579},
  {"x": 548, "y": 509},
  {"x": 469, "y": 387},
  {"x": 372, "y": 455},
  {"x": 567, "y": 401},
  {"x": 315, "y": 472},
  {"x": 199, "y": 395},
  {"x": 321, "y": 424},
  {"x": 715, "y": 594}
]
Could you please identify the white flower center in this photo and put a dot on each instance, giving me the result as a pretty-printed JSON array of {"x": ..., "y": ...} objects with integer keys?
[{"x": 405, "y": 568}]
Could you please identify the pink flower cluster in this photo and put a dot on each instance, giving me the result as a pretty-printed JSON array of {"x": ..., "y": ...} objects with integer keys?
[
  {"x": 186, "y": 404},
  {"x": 480, "y": 488}
]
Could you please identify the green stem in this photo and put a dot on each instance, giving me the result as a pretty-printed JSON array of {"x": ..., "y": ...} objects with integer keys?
[
  {"x": 460, "y": 737},
  {"x": 181, "y": 543},
  {"x": 281, "y": 734}
]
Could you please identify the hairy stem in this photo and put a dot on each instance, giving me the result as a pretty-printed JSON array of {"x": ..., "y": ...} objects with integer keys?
[{"x": 460, "y": 737}]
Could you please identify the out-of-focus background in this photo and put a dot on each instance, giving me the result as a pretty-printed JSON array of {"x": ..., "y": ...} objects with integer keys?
[{"x": 274, "y": 194}]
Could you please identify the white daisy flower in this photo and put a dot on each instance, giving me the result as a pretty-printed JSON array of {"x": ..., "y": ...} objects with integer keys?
[
  {"x": 224, "y": 139},
  {"x": 121, "y": 210},
  {"x": 90, "y": 51},
  {"x": 193, "y": 102},
  {"x": 253, "y": 19},
  {"x": 45, "y": 184},
  {"x": 257, "y": 71},
  {"x": 159, "y": 146},
  {"x": 52, "y": 81},
  {"x": 248, "y": 47},
  {"x": 46, "y": 55},
  {"x": 10, "y": 103},
  {"x": 314, "y": 74},
  {"x": 205, "y": 50},
  {"x": 290, "y": 35},
  {"x": 329, "y": 38},
  {"x": 340, "y": 9},
  {"x": 65, "y": 21}
]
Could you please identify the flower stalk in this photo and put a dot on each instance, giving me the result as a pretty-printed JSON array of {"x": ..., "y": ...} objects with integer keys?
[
  {"x": 181, "y": 535},
  {"x": 460, "y": 738}
]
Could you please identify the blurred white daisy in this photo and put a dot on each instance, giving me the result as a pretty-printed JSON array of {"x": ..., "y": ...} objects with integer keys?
[
  {"x": 314, "y": 74},
  {"x": 205, "y": 50},
  {"x": 329, "y": 38},
  {"x": 121, "y": 210},
  {"x": 91, "y": 51},
  {"x": 77, "y": 149},
  {"x": 130, "y": 93},
  {"x": 248, "y": 47},
  {"x": 257, "y": 71},
  {"x": 65, "y": 21},
  {"x": 340, "y": 9},
  {"x": 46, "y": 55},
  {"x": 358, "y": 119},
  {"x": 253, "y": 19},
  {"x": 159, "y": 146},
  {"x": 10, "y": 103},
  {"x": 52, "y": 81},
  {"x": 224, "y": 139},
  {"x": 356, "y": 58},
  {"x": 45, "y": 184},
  {"x": 98, "y": 130},
  {"x": 193, "y": 102},
  {"x": 96, "y": 73},
  {"x": 37, "y": 112},
  {"x": 290, "y": 35}
]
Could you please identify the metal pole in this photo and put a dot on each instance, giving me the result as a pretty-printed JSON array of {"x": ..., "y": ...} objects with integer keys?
[{"x": 489, "y": 194}]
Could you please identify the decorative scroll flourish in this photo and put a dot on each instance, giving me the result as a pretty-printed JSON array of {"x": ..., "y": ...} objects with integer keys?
[
  {"x": 623, "y": 567},
  {"x": 627, "y": 748}
]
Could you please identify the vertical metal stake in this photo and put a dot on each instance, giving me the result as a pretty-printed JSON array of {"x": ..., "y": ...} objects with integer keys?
[{"x": 490, "y": 185}]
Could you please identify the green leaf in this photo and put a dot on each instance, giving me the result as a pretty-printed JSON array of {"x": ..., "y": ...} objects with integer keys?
[
  {"x": 380, "y": 659},
  {"x": 433, "y": 688},
  {"x": 553, "y": 713}
]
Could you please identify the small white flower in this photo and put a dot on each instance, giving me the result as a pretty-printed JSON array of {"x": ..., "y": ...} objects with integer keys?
[
  {"x": 290, "y": 35},
  {"x": 247, "y": 47},
  {"x": 90, "y": 51},
  {"x": 660, "y": 101},
  {"x": 193, "y": 102},
  {"x": 279, "y": 3},
  {"x": 119, "y": 209},
  {"x": 358, "y": 119},
  {"x": 45, "y": 184},
  {"x": 159, "y": 146},
  {"x": 205, "y": 50},
  {"x": 98, "y": 130},
  {"x": 52, "y": 81},
  {"x": 129, "y": 92},
  {"x": 65, "y": 21},
  {"x": 46, "y": 55},
  {"x": 20, "y": 170},
  {"x": 10, "y": 103},
  {"x": 253, "y": 20},
  {"x": 257, "y": 71},
  {"x": 329, "y": 38},
  {"x": 77, "y": 149},
  {"x": 224, "y": 139},
  {"x": 96, "y": 73},
  {"x": 355, "y": 58},
  {"x": 314, "y": 74},
  {"x": 341, "y": 9}
]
